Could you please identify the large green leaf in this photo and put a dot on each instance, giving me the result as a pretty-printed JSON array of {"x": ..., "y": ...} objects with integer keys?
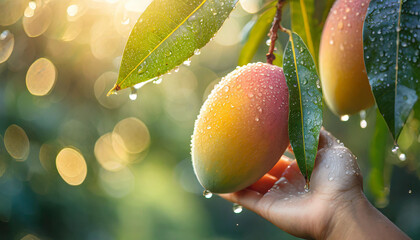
[
  {"x": 380, "y": 174},
  {"x": 305, "y": 24},
  {"x": 257, "y": 35},
  {"x": 391, "y": 38},
  {"x": 168, "y": 33},
  {"x": 305, "y": 103}
]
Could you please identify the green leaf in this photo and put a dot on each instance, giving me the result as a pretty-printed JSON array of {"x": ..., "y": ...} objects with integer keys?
[
  {"x": 257, "y": 35},
  {"x": 391, "y": 38},
  {"x": 168, "y": 33},
  {"x": 305, "y": 24},
  {"x": 305, "y": 103},
  {"x": 379, "y": 176}
]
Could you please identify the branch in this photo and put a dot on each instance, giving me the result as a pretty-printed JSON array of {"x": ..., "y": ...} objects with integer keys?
[{"x": 273, "y": 32}]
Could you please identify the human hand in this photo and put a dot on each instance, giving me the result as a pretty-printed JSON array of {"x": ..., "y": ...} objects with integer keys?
[{"x": 333, "y": 207}]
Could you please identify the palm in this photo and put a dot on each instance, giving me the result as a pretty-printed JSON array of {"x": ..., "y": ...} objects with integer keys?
[{"x": 336, "y": 180}]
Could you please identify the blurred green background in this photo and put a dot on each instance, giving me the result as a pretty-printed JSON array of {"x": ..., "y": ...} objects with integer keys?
[{"x": 75, "y": 164}]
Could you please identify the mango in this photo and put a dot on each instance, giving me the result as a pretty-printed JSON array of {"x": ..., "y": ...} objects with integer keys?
[
  {"x": 242, "y": 129},
  {"x": 342, "y": 69}
]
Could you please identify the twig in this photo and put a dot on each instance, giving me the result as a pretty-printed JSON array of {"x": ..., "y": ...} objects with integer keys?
[{"x": 273, "y": 32}]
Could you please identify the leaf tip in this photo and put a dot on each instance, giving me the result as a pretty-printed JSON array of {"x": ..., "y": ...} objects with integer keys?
[{"x": 113, "y": 90}]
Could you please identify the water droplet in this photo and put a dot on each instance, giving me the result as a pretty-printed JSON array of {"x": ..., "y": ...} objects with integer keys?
[
  {"x": 330, "y": 179},
  {"x": 237, "y": 208},
  {"x": 409, "y": 191},
  {"x": 402, "y": 157},
  {"x": 340, "y": 25},
  {"x": 207, "y": 194},
  {"x": 331, "y": 42},
  {"x": 363, "y": 123},
  {"x": 395, "y": 149},
  {"x": 187, "y": 62},
  {"x": 4, "y": 35},
  {"x": 257, "y": 119},
  {"x": 142, "y": 68},
  {"x": 197, "y": 52},
  {"x": 133, "y": 94},
  {"x": 268, "y": 42},
  {"x": 125, "y": 21},
  {"x": 344, "y": 118}
]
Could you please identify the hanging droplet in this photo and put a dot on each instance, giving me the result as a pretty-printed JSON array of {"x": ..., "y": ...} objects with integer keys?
[
  {"x": 125, "y": 21},
  {"x": 363, "y": 122},
  {"x": 402, "y": 157},
  {"x": 395, "y": 149},
  {"x": 237, "y": 208},
  {"x": 306, "y": 187},
  {"x": 207, "y": 194},
  {"x": 344, "y": 118},
  {"x": 197, "y": 52},
  {"x": 268, "y": 42},
  {"x": 133, "y": 94},
  {"x": 187, "y": 62}
]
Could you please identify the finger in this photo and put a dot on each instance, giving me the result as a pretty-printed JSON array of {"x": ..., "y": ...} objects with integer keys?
[
  {"x": 280, "y": 166},
  {"x": 293, "y": 175},
  {"x": 246, "y": 198},
  {"x": 326, "y": 139},
  {"x": 264, "y": 184}
]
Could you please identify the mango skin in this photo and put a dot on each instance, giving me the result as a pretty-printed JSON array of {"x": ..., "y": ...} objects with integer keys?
[
  {"x": 343, "y": 74},
  {"x": 242, "y": 129}
]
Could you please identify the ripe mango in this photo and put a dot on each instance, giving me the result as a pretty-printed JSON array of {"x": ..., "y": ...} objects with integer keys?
[
  {"x": 242, "y": 129},
  {"x": 343, "y": 74}
]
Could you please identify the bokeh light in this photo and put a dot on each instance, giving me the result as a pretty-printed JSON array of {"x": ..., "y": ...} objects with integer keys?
[
  {"x": 37, "y": 19},
  {"x": 106, "y": 154},
  {"x": 251, "y": 6},
  {"x": 41, "y": 77},
  {"x": 7, "y": 42},
  {"x": 117, "y": 183},
  {"x": 11, "y": 11},
  {"x": 71, "y": 166},
  {"x": 30, "y": 237},
  {"x": 132, "y": 134},
  {"x": 16, "y": 142},
  {"x": 98, "y": 167}
]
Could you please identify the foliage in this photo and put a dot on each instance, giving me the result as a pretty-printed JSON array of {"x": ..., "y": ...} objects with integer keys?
[
  {"x": 167, "y": 34},
  {"x": 391, "y": 37},
  {"x": 154, "y": 194},
  {"x": 305, "y": 103}
]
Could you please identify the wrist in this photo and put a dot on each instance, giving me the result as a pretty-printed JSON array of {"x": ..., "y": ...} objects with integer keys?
[
  {"x": 358, "y": 219},
  {"x": 347, "y": 213}
]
